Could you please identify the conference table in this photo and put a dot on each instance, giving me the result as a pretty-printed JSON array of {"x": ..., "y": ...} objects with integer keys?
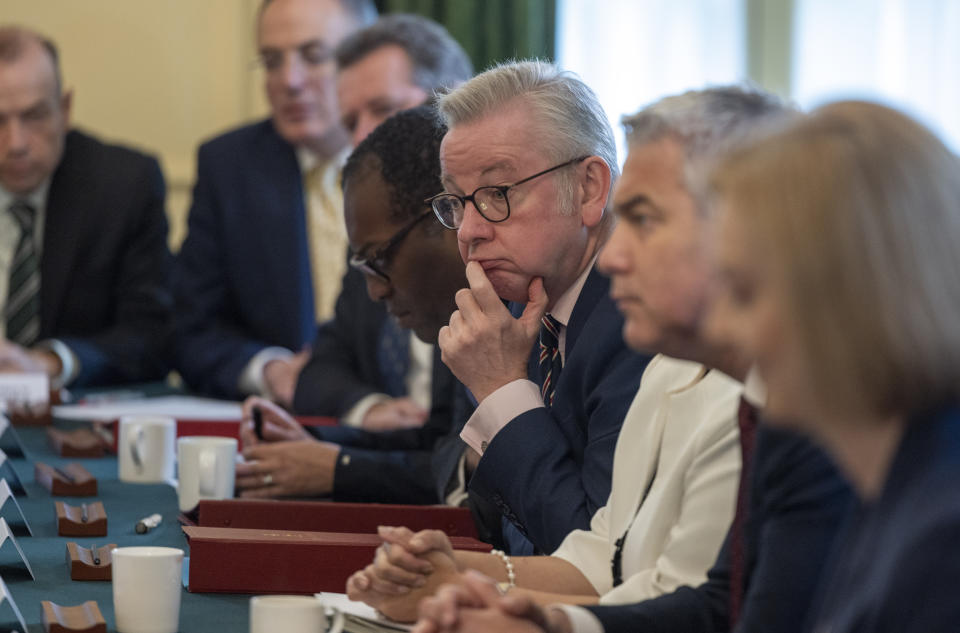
[{"x": 125, "y": 504}]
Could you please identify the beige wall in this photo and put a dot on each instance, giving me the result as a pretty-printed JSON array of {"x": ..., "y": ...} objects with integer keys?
[{"x": 157, "y": 74}]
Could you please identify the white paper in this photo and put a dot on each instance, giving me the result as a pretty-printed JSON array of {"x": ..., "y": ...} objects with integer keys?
[
  {"x": 5, "y": 534},
  {"x": 181, "y": 407},
  {"x": 29, "y": 389},
  {"x": 5, "y": 494},
  {"x": 361, "y": 612},
  {"x": 8, "y": 597}
]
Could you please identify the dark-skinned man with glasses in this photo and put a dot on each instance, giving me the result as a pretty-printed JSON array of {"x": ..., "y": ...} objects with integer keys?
[{"x": 410, "y": 265}]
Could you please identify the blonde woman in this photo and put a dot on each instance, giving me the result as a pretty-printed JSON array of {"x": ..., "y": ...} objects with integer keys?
[{"x": 842, "y": 278}]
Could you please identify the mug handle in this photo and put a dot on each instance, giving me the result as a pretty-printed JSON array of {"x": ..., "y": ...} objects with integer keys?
[
  {"x": 207, "y": 464},
  {"x": 136, "y": 449}
]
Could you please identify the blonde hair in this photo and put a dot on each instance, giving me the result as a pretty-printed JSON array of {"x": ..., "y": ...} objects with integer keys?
[{"x": 860, "y": 208}]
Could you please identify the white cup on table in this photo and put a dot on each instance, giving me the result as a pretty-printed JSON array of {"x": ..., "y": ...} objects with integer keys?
[
  {"x": 206, "y": 469},
  {"x": 146, "y": 589},
  {"x": 290, "y": 614},
  {"x": 146, "y": 448}
]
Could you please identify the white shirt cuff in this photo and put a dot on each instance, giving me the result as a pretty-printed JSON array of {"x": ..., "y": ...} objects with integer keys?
[
  {"x": 354, "y": 417},
  {"x": 497, "y": 409},
  {"x": 251, "y": 381},
  {"x": 69, "y": 362},
  {"x": 581, "y": 620}
]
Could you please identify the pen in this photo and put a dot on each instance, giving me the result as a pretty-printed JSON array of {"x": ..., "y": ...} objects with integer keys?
[
  {"x": 64, "y": 474},
  {"x": 95, "y": 554},
  {"x": 83, "y": 513},
  {"x": 258, "y": 423},
  {"x": 145, "y": 524}
]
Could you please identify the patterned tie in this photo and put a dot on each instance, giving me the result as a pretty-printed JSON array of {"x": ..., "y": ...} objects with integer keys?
[
  {"x": 394, "y": 358},
  {"x": 550, "y": 360},
  {"x": 22, "y": 310},
  {"x": 747, "y": 420}
]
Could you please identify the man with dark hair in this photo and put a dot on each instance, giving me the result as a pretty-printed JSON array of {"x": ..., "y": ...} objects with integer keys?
[
  {"x": 83, "y": 253},
  {"x": 395, "y": 64},
  {"x": 263, "y": 260},
  {"x": 411, "y": 266}
]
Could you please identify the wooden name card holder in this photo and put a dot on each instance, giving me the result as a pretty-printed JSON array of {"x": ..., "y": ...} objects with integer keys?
[
  {"x": 89, "y": 519},
  {"x": 224, "y": 560},
  {"x": 72, "y": 480},
  {"x": 78, "y": 443},
  {"x": 90, "y": 563},
  {"x": 84, "y": 617},
  {"x": 323, "y": 516}
]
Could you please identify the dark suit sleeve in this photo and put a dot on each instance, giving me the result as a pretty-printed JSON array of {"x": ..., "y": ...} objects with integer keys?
[
  {"x": 343, "y": 365},
  {"x": 549, "y": 470},
  {"x": 798, "y": 501},
  {"x": 213, "y": 346},
  {"x": 135, "y": 344}
]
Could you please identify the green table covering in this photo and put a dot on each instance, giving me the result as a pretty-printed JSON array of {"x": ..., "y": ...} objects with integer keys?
[{"x": 125, "y": 504}]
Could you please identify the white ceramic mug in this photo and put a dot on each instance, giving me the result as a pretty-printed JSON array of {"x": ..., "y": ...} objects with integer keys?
[
  {"x": 146, "y": 448},
  {"x": 290, "y": 614},
  {"x": 206, "y": 469},
  {"x": 146, "y": 589}
]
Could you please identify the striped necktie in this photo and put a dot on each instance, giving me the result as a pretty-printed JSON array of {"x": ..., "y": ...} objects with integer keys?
[
  {"x": 550, "y": 359},
  {"x": 739, "y": 556},
  {"x": 22, "y": 309}
]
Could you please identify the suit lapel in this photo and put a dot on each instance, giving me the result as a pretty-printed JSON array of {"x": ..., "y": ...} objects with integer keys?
[
  {"x": 68, "y": 205},
  {"x": 280, "y": 230}
]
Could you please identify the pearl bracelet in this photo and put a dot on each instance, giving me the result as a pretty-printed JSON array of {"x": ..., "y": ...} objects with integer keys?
[{"x": 511, "y": 574}]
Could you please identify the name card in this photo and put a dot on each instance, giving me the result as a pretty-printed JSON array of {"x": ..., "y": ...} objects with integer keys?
[
  {"x": 7, "y": 495},
  {"x": 9, "y": 440},
  {"x": 7, "y": 598},
  {"x": 25, "y": 390},
  {"x": 9, "y": 474},
  {"x": 7, "y": 535}
]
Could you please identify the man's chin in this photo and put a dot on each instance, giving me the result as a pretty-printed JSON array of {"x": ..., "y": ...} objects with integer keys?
[{"x": 510, "y": 286}]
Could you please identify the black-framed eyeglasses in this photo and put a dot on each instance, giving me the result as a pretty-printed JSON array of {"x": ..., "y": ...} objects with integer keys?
[
  {"x": 379, "y": 260},
  {"x": 491, "y": 201}
]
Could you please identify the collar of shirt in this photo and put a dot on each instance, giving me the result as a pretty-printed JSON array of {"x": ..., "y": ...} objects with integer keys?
[
  {"x": 754, "y": 389},
  {"x": 38, "y": 200},
  {"x": 563, "y": 308},
  {"x": 307, "y": 160}
]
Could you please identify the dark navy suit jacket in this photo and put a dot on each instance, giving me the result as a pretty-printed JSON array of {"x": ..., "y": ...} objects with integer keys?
[
  {"x": 105, "y": 267},
  {"x": 549, "y": 470},
  {"x": 797, "y": 503},
  {"x": 243, "y": 273},
  {"x": 403, "y": 466},
  {"x": 897, "y": 568}
]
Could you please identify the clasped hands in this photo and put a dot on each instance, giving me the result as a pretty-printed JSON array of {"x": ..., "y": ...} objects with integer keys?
[
  {"x": 484, "y": 345},
  {"x": 418, "y": 573},
  {"x": 288, "y": 462}
]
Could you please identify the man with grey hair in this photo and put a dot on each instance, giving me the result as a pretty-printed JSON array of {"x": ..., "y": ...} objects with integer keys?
[
  {"x": 83, "y": 236},
  {"x": 527, "y": 167},
  {"x": 395, "y": 64},
  {"x": 791, "y": 499}
]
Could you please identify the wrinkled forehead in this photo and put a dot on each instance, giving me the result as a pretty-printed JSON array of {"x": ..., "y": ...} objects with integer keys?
[{"x": 504, "y": 144}]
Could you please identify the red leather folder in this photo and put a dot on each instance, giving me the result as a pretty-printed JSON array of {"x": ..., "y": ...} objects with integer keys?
[
  {"x": 323, "y": 516},
  {"x": 224, "y": 560}
]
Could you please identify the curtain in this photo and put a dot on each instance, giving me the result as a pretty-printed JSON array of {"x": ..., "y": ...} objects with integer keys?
[{"x": 490, "y": 30}]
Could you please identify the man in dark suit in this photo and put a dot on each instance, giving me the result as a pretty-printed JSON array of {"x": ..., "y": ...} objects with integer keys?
[
  {"x": 528, "y": 164},
  {"x": 407, "y": 263},
  {"x": 265, "y": 251},
  {"x": 83, "y": 254},
  {"x": 390, "y": 66}
]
